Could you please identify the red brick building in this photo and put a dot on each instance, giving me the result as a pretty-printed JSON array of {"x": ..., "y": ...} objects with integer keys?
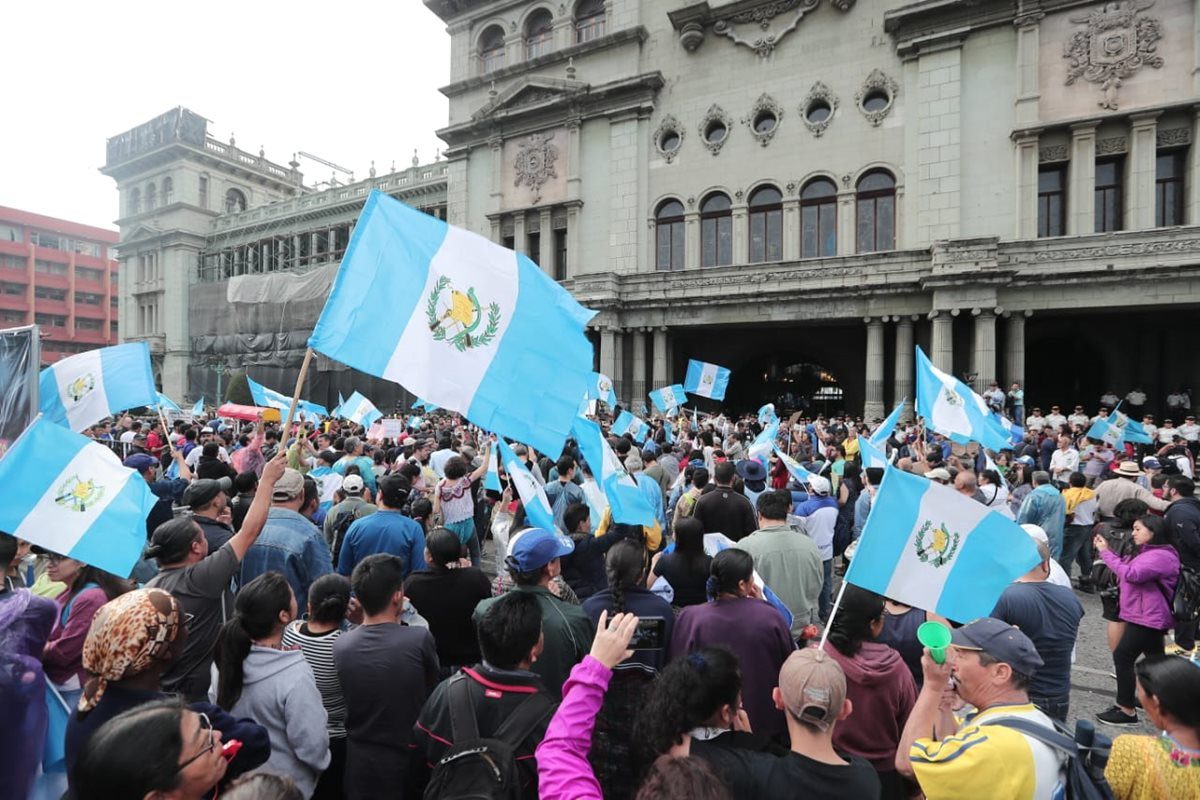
[{"x": 62, "y": 276}]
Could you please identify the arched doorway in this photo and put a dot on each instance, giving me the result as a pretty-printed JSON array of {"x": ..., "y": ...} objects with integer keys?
[{"x": 792, "y": 384}]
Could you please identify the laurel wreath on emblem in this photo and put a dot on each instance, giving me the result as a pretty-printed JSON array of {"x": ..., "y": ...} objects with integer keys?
[
  {"x": 951, "y": 397},
  {"x": 78, "y": 495},
  {"x": 80, "y": 387},
  {"x": 464, "y": 313},
  {"x": 706, "y": 379},
  {"x": 941, "y": 550}
]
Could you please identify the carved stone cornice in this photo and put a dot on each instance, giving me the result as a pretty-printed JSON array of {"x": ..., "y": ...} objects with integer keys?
[{"x": 759, "y": 25}]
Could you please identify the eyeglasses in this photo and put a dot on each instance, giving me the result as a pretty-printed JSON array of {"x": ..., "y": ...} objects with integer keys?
[
  {"x": 54, "y": 558},
  {"x": 212, "y": 742}
]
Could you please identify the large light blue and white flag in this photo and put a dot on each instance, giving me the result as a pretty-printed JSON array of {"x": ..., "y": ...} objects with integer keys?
[
  {"x": 871, "y": 455},
  {"x": 198, "y": 409},
  {"x": 1016, "y": 433},
  {"x": 600, "y": 387},
  {"x": 269, "y": 398},
  {"x": 669, "y": 431},
  {"x": 337, "y": 410},
  {"x": 626, "y": 499},
  {"x": 70, "y": 495},
  {"x": 668, "y": 398},
  {"x": 706, "y": 380},
  {"x": 424, "y": 405},
  {"x": 533, "y": 496},
  {"x": 627, "y": 423},
  {"x": 767, "y": 415},
  {"x": 83, "y": 389},
  {"x": 760, "y": 448},
  {"x": 167, "y": 404},
  {"x": 359, "y": 410},
  {"x": 927, "y": 546},
  {"x": 952, "y": 409},
  {"x": 459, "y": 320},
  {"x": 716, "y": 542},
  {"x": 794, "y": 467},
  {"x": 884, "y": 431},
  {"x": 1118, "y": 428},
  {"x": 491, "y": 478}
]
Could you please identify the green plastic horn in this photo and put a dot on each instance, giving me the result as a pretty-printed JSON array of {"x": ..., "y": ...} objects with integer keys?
[{"x": 936, "y": 637}]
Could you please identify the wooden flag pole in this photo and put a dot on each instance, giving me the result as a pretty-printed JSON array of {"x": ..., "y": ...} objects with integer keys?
[
  {"x": 166, "y": 431},
  {"x": 287, "y": 426}
]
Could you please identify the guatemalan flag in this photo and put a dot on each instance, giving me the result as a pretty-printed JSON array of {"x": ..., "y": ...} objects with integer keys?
[
  {"x": 668, "y": 398},
  {"x": 669, "y": 430},
  {"x": 1118, "y": 428},
  {"x": 198, "y": 409},
  {"x": 952, "y": 409},
  {"x": 491, "y": 478},
  {"x": 760, "y": 448},
  {"x": 70, "y": 495},
  {"x": 167, "y": 404},
  {"x": 269, "y": 398},
  {"x": 884, "y": 431},
  {"x": 80, "y": 390},
  {"x": 533, "y": 496},
  {"x": 794, "y": 467},
  {"x": 461, "y": 321},
  {"x": 600, "y": 387},
  {"x": 359, "y": 410},
  {"x": 872, "y": 455},
  {"x": 626, "y": 499},
  {"x": 628, "y": 423},
  {"x": 766, "y": 415},
  {"x": 706, "y": 380},
  {"x": 927, "y": 546}
]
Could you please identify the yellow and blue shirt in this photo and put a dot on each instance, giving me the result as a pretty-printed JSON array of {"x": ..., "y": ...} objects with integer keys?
[{"x": 987, "y": 760}]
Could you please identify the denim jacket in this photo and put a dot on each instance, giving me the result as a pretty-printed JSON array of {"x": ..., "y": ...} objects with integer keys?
[{"x": 290, "y": 544}]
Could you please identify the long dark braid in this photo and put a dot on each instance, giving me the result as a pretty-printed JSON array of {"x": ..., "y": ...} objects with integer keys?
[{"x": 625, "y": 567}]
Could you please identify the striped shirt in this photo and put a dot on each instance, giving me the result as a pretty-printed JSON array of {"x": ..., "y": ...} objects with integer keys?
[{"x": 318, "y": 652}]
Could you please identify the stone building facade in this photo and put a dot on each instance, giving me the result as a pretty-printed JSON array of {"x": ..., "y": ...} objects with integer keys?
[{"x": 803, "y": 189}]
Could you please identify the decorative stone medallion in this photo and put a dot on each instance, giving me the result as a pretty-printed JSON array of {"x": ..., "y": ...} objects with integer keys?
[
  {"x": 668, "y": 138},
  {"x": 534, "y": 163},
  {"x": 818, "y": 107},
  {"x": 1116, "y": 43},
  {"x": 764, "y": 118},
  {"x": 715, "y": 128},
  {"x": 877, "y": 97}
]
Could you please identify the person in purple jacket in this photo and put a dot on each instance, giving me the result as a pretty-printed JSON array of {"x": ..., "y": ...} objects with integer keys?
[
  {"x": 738, "y": 619},
  {"x": 1146, "y": 580}
]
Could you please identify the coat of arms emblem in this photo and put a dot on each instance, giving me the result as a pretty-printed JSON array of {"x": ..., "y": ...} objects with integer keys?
[
  {"x": 457, "y": 318},
  {"x": 1119, "y": 40},
  {"x": 936, "y": 545},
  {"x": 78, "y": 495},
  {"x": 534, "y": 163},
  {"x": 81, "y": 387}
]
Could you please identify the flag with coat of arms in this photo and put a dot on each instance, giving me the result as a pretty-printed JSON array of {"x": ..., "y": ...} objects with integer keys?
[
  {"x": 927, "y": 546},
  {"x": 625, "y": 498},
  {"x": 953, "y": 409},
  {"x": 72, "y": 496},
  {"x": 80, "y": 390},
  {"x": 533, "y": 496},
  {"x": 668, "y": 398},
  {"x": 627, "y": 423},
  {"x": 359, "y": 410},
  {"x": 464, "y": 323},
  {"x": 706, "y": 380},
  {"x": 269, "y": 398},
  {"x": 600, "y": 387}
]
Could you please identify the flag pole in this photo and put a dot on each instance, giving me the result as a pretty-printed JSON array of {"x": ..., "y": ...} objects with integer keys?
[
  {"x": 166, "y": 433},
  {"x": 287, "y": 426},
  {"x": 837, "y": 603}
]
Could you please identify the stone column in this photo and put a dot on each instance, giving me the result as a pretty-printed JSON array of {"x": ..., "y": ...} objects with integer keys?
[
  {"x": 660, "y": 358},
  {"x": 574, "y": 123},
  {"x": 873, "y": 402},
  {"x": 1014, "y": 350},
  {"x": 791, "y": 228},
  {"x": 1192, "y": 213},
  {"x": 691, "y": 240},
  {"x": 573, "y": 254},
  {"x": 618, "y": 372},
  {"x": 497, "y": 189},
  {"x": 546, "y": 254},
  {"x": 1081, "y": 180},
  {"x": 1028, "y": 51},
  {"x": 943, "y": 341},
  {"x": 608, "y": 352},
  {"x": 984, "y": 357},
  {"x": 904, "y": 364},
  {"x": 519, "y": 243},
  {"x": 741, "y": 233},
  {"x": 847, "y": 242},
  {"x": 638, "y": 384},
  {"x": 1027, "y": 185},
  {"x": 1142, "y": 170}
]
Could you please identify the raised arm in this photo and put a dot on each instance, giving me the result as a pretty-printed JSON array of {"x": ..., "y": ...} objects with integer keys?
[{"x": 256, "y": 517}]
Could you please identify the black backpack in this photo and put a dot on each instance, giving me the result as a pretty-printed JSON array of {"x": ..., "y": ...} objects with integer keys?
[
  {"x": 484, "y": 769},
  {"x": 1086, "y": 751},
  {"x": 344, "y": 522},
  {"x": 1185, "y": 603}
]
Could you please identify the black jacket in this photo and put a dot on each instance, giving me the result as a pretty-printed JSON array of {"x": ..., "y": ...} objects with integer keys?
[
  {"x": 1183, "y": 517},
  {"x": 583, "y": 568},
  {"x": 217, "y": 533}
]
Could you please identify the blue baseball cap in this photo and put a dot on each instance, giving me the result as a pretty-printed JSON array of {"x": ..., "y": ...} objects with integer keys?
[
  {"x": 141, "y": 462},
  {"x": 537, "y": 547},
  {"x": 1001, "y": 641}
]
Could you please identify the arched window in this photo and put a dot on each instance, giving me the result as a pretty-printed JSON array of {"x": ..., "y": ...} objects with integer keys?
[
  {"x": 491, "y": 49},
  {"x": 135, "y": 201},
  {"x": 539, "y": 34},
  {"x": 234, "y": 201},
  {"x": 168, "y": 192},
  {"x": 669, "y": 225},
  {"x": 589, "y": 20},
  {"x": 876, "y": 208},
  {"x": 818, "y": 218},
  {"x": 766, "y": 225},
  {"x": 151, "y": 197},
  {"x": 716, "y": 231}
]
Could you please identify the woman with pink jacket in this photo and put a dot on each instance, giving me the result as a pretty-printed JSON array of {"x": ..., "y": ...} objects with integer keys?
[{"x": 1146, "y": 581}]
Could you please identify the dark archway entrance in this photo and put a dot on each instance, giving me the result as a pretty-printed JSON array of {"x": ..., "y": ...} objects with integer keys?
[{"x": 789, "y": 384}]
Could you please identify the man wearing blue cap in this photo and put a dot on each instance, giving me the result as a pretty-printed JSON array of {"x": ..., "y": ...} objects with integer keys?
[
  {"x": 168, "y": 490},
  {"x": 992, "y": 664},
  {"x": 533, "y": 561}
]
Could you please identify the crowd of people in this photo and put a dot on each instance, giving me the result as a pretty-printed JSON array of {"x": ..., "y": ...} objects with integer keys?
[{"x": 327, "y": 613}]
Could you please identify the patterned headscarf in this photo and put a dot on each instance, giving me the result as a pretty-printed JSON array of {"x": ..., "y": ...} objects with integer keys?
[{"x": 127, "y": 636}]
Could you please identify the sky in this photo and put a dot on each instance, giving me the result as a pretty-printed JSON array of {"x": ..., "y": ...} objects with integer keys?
[{"x": 349, "y": 81}]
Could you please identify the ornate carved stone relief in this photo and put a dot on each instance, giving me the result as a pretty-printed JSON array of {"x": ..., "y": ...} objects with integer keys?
[
  {"x": 1108, "y": 147},
  {"x": 715, "y": 120},
  {"x": 755, "y": 27},
  {"x": 764, "y": 118},
  {"x": 534, "y": 163},
  {"x": 1052, "y": 153},
  {"x": 1117, "y": 42},
  {"x": 877, "y": 85},
  {"x": 1174, "y": 136},
  {"x": 819, "y": 97},
  {"x": 842, "y": 5},
  {"x": 663, "y": 140}
]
